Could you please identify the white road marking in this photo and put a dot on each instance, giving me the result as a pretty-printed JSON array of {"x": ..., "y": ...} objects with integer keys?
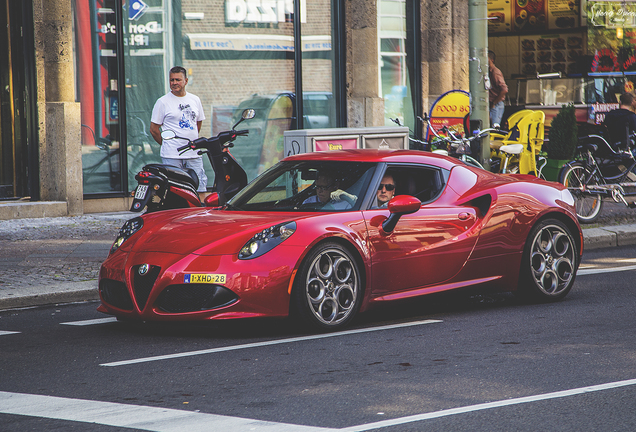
[
  {"x": 489, "y": 405},
  {"x": 134, "y": 416},
  {"x": 172, "y": 420},
  {"x": 633, "y": 260},
  {"x": 583, "y": 272},
  {"x": 5, "y": 332},
  {"x": 91, "y": 322},
  {"x": 267, "y": 343}
]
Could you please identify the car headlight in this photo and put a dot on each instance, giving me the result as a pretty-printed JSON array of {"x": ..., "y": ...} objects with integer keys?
[
  {"x": 126, "y": 231},
  {"x": 267, "y": 240}
]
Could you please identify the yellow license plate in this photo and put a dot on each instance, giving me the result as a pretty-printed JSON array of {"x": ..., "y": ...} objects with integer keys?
[{"x": 204, "y": 278}]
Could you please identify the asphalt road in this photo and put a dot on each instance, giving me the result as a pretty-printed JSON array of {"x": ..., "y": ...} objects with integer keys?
[{"x": 461, "y": 362}]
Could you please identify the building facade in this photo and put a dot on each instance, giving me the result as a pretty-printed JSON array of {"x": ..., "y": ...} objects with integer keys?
[{"x": 83, "y": 76}]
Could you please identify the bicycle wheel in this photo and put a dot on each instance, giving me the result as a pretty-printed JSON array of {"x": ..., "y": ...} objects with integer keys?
[{"x": 588, "y": 205}]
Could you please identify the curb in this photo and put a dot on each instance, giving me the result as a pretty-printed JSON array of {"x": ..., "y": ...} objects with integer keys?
[
  {"x": 69, "y": 292},
  {"x": 610, "y": 236}
]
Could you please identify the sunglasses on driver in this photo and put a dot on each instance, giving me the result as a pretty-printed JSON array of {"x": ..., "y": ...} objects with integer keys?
[{"x": 389, "y": 187}]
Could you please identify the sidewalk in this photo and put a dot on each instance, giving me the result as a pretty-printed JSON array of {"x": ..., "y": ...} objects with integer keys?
[{"x": 57, "y": 260}]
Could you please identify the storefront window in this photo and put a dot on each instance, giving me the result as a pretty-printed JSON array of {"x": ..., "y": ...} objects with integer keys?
[
  {"x": 97, "y": 88},
  {"x": 237, "y": 57},
  {"x": 318, "y": 65},
  {"x": 395, "y": 85},
  {"x": 147, "y": 45},
  {"x": 611, "y": 35}
]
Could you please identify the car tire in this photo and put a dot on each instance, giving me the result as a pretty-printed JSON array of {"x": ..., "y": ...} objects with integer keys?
[
  {"x": 328, "y": 289},
  {"x": 549, "y": 262}
]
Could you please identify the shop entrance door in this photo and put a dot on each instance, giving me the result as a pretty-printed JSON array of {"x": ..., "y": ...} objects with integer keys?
[{"x": 18, "y": 139}]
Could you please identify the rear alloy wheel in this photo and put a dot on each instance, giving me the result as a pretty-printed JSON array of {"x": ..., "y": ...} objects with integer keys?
[
  {"x": 587, "y": 205},
  {"x": 327, "y": 291},
  {"x": 549, "y": 262}
]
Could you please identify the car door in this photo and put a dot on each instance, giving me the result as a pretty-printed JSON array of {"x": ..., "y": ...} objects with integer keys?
[{"x": 426, "y": 248}]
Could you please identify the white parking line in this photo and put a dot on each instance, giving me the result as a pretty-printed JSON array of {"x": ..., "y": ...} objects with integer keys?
[
  {"x": 91, "y": 322},
  {"x": 2, "y": 333},
  {"x": 489, "y": 405},
  {"x": 267, "y": 343},
  {"x": 171, "y": 420},
  {"x": 134, "y": 416},
  {"x": 583, "y": 272}
]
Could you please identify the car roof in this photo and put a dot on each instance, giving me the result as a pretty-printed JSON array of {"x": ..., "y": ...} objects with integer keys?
[{"x": 375, "y": 155}]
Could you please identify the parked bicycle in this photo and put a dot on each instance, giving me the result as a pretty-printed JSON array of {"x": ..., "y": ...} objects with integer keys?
[
  {"x": 600, "y": 170},
  {"x": 414, "y": 142},
  {"x": 454, "y": 144}
]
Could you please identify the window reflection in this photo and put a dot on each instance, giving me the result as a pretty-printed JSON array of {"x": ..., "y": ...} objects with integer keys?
[
  {"x": 233, "y": 59},
  {"x": 395, "y": 85},
  {"x": 96, "y": 48}
]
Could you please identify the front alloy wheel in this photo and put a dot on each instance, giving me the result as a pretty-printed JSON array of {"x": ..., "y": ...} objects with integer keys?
[
  {"x": 550, "y": 261},
  {"x": 327, "y": 290}
]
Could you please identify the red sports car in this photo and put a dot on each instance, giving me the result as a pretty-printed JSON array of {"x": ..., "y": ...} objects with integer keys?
[{"x": 281, "y": 248}]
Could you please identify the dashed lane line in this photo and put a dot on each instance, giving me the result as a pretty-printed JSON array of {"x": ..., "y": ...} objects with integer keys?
[
  {"x": 5, "y": 332},
  {"x": 589, "y": 271},
  {"x": 268, "y": 343},
  {"x": 91, "y": 321}
]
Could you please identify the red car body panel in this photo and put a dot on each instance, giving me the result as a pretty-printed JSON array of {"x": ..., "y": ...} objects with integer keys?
[{"x": 472, "y": 234}]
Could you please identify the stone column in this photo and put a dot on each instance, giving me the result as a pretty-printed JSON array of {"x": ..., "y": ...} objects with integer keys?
[
  {"x": 460, "y": 45},
  {"x": 444, "y": 48},
  {"x": 365, "y": 107},
  {"x": 58, "y": 112}
]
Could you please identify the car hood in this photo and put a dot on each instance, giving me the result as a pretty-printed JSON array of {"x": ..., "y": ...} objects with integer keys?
[{"x": 205, "y": 232}]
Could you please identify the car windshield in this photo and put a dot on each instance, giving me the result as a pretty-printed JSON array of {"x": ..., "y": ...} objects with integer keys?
[{"x": 307, "y": 186}]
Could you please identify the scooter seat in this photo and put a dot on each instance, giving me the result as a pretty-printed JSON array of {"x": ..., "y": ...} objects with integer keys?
[{"x": 185, "y": 175}]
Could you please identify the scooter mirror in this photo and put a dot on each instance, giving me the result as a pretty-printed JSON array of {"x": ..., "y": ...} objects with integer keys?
[
  {"x": 248, "y": 114},
  {"x": 168, "y": 134}
]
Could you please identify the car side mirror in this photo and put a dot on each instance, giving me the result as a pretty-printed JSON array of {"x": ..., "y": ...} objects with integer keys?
[
  {"x": 211, "y": 200},
  {"x": 399, "y": 206}
]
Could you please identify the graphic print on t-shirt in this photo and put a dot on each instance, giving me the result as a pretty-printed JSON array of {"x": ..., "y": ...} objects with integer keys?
[{"x": 188, "y": 117}]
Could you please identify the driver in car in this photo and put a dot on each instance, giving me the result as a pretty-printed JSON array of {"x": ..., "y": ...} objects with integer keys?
[
  {"x": 329, "y": 194},
  {"x": 386, "y": 190}
]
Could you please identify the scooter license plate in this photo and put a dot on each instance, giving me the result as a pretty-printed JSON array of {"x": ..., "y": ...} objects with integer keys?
[{"x": 140, "y": 193}]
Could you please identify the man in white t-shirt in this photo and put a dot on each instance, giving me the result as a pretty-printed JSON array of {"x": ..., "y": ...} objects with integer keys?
[{"x": 182, "y": 113}]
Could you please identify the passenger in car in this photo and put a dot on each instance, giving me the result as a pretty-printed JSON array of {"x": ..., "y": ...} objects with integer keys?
[
  {"x": 386, "y": 190},
  {"x": 329, "y": 194}
]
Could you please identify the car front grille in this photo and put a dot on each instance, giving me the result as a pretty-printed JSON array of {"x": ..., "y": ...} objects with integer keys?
[
  {"x": 115, "y": 294},
  {"x": 142, "y": 284},
  {"x": 194, "y": 297}
]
